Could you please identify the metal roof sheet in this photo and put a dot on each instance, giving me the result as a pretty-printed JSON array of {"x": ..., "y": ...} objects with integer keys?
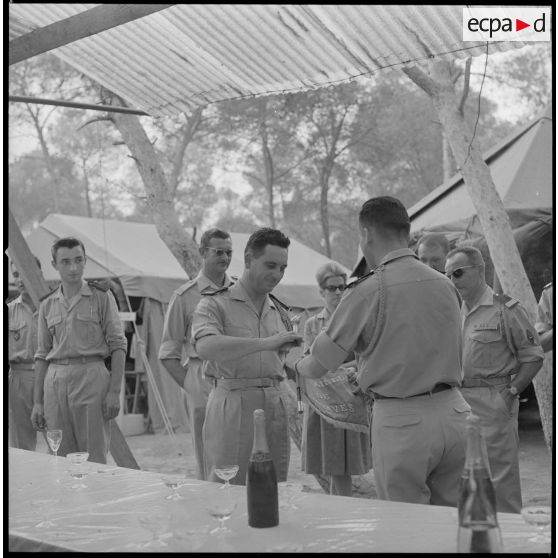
[{"x": 190, "y": 55}]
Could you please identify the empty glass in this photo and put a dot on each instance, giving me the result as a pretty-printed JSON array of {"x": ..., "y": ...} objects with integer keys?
[
  {"x": 77, "y": 468},
  {"x": 226, "y": 473},
  {"x": 540, "y": 517}
]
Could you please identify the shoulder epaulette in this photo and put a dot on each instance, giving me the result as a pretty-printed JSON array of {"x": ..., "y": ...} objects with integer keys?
[
  {"x": 279, "y": 302},
  {"x": 98, "y": 285},
  {"x": 47, "y": 295},
  {"x": 183, "y": 288},
  {"x": 506, "y": 300},
  {"x": 360, "y": 280},
  {"x": 218, "y": 291}
]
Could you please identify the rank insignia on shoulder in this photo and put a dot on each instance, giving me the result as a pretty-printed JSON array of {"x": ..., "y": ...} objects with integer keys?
[
  {"x": 101, "y": 285},
  {"x": 361, "y": 279},
  {"x": 48, "y": 294},
  {"x": 506, "y": 300}
]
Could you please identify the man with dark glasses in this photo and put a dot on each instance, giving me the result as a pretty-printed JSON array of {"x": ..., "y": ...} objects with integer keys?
[
  {"x": 216, "y": 251},
  {"x": 501, "y": 355}
]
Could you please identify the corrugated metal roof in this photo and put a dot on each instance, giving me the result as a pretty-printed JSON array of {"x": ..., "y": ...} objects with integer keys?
[{"x": 190, "y": 55}]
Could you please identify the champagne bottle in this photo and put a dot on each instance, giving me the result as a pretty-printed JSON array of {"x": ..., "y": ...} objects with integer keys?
[
  {"x": 261, "y": 479},
  {"x": 478, "y": 524}
]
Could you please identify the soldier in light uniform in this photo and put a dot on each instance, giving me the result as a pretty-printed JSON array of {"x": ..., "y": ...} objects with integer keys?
[
  {"x": 243, "y": 333},
  {"x": 22, "y": 344},
  {"x": 216, "y": 251},
  {"x": 402, "y": 321},
  {"x": 78, "y": 328},
  {"x": 545, "y": 321},
  {"x": 501, "y": 355}
]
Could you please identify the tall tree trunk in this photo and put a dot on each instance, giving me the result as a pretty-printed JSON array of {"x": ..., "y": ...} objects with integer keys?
[
  {"x": 48, "y": 160},
  {"x": 159, "y": 197},
  {"x": 86, "y": 189},
  {"x": 325, "y": 173},
  {"x": 437, "y": 83}
]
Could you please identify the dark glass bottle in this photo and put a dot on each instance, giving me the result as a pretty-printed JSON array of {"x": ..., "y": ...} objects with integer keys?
[
  {"x": 478, "y": 524},
  {"x": 261, "y": 479}
]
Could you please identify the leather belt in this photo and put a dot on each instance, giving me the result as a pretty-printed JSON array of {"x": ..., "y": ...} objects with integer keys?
[
  {"x": 22, "y": 365},
  {"x": 76, "y": 360},
  {"x": 485, "y": 382},
  {"x": 245, "y": 383},
  {"x": 437, "y": 388}
]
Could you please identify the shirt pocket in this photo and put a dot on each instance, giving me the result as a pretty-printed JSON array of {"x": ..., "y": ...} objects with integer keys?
[
  {"x": 18, "y": 332},
  {"x": 54, "y": 325},
  {"x": 486, "y": 348},
  {"x": 89, "y": 331}
]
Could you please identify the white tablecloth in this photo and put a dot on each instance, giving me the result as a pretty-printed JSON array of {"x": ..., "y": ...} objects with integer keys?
[{"x": 104, "y": 517}]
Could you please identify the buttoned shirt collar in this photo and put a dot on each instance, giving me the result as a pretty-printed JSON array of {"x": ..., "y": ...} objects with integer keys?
[
  {"x": 238, "y": 292},
  {"x": 204, "y": 282},
  {"x": 396, "y": 254},
  {"x": 486, "y": 299},
  {"x": 323, "y": 314}
]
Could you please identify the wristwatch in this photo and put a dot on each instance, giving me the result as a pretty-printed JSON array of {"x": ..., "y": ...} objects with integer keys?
[{"x": 513, "y": 391}]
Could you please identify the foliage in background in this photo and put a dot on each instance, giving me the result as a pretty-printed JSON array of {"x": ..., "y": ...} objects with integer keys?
[{"x": 304, "y": 162}]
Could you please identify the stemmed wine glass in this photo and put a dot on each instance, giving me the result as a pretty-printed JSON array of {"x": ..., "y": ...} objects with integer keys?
[
  {"x": 220, "y": 505},
  {"x": 540, "y": 517},
  {"x": 77, "y": 468},
  {"x": 226, "y": 473},
  {"x": 174, "y": 482},
  {"x": 155, "y": 523},
  {"x": 54, "y": 439},
  {"x": 44, "y": 506}
]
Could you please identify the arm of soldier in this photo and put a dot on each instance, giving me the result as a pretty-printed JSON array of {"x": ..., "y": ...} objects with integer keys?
[
  {"x": 38, "y": 411},
  {"x": 547, "y": 340},
  {"x": 44, "y": 346},
  {"x": 174, "y": 334},
  {"x": 116, "y": 340},
  {"x": 332, "y": 346},
  {"x": 543, "y": 326},
  {"x": 529, "y": 352},
  {"x": 211, "y": 343}
]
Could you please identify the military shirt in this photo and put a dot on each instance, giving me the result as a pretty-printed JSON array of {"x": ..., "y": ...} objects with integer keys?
[
  {"x": 410, "y": 345},
  {"x": 22, "y": 342},
  {"x": 87, "y": 325},
  {"x": 313, "y": 326},
  {"x": 233, "y": 313},
  {"x": 492, "y": 348},
  {"x": 177, "y": 328},
  {"x": 545, "y": 319}
]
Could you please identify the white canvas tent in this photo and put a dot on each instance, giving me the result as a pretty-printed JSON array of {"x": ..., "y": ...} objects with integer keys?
[{"x": 135, "y": 254}]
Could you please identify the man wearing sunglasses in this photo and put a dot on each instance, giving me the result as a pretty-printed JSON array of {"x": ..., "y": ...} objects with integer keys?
[
  {"x": 501, "y": 355},
  {"x": 216, "y": 251},
  {"x": 402, "y": 321}
]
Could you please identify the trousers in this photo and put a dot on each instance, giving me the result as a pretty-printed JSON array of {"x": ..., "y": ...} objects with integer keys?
[
  {"x": 20, "y": 396},
  {"x": 197, "y": 390},
  {"x": 73, "y": 397},
  {"x": 500, "y": 429},
  {"x": 419, "y": 447}
]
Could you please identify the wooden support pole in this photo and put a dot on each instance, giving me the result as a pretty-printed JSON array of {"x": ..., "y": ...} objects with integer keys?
[
  {"x": 19, "y": 252},
  {"x": 79, "y": 26}
]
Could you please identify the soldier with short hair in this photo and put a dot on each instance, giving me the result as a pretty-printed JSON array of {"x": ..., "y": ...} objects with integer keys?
[
  {"x": 216, "y": 251},
  {"x": 78, "y": 328},
  {"x": 402, "y": 322},
  {"x": 432, "y": 250},
  {"x": 243, "y": 332},
  {"x": 501, "y": 355}
]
